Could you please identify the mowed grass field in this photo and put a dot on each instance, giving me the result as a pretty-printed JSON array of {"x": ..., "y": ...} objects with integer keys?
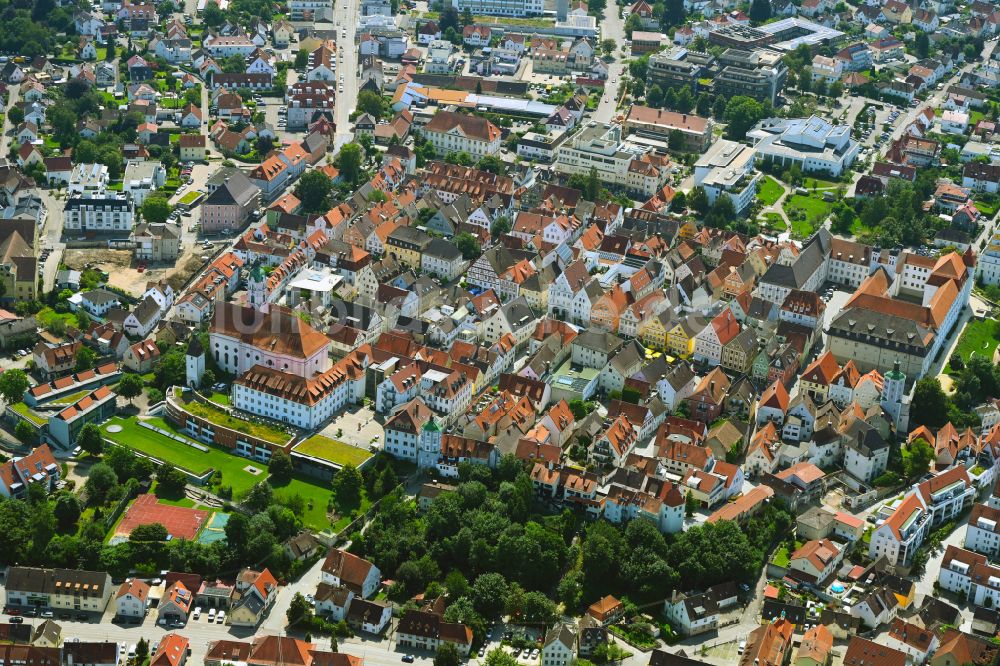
[
  {"x": 769, "y": 191},
  {"x": 189, "y": 458}
]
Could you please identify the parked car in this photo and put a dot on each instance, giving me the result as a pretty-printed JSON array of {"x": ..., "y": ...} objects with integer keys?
[{"x": 408, "y": 659}]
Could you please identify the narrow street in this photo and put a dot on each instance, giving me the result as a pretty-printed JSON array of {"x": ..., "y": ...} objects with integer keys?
[{"x": 612, "y": 27}]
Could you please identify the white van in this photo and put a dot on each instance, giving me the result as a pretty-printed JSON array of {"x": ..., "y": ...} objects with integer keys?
[{"x": 197, "y": 612}]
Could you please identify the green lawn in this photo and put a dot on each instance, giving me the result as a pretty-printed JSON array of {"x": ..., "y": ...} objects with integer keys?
[
  {"x": 978, "y": 337},
  {"x": 26, "y": 412},
  {"x": 775, "y": 221},
  {"x": 220, "y": 417},
  {"x": 317, "y": 497},
  {"x": 189, "y": 458},
  {"x": 814, "y": 210},
  {"x": 219, "y": 399},
  {"x": 336, "y": 452},
  {"x": 987, "y": 208},
  {"x": 190, "y": 197},
  {"x": 769, "y": 191},
  {"x": 71, "y": 398},
  {"x": 781, "y": 557},
  {"x": 46, "y": 316}
]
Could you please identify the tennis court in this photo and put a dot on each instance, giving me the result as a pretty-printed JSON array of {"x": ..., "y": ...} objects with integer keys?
[
  {"x": 215, "y": 528},
  {"x": 181, "y": 522}
]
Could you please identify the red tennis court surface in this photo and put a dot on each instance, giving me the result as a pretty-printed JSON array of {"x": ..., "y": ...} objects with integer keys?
[{"x": 181, "y": 523}]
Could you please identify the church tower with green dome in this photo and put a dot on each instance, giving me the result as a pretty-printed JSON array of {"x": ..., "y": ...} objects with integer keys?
[
  {"x": 257, "y": 287},
  {"x": 894, "y": 401},
  {"x": 430, "y": 444}
]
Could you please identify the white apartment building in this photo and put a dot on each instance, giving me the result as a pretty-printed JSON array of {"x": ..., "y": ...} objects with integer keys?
[
  {"x": 813, "y": 144},
  {"x": 983, "y": 532},
  {"x": 88, "y": 180},
  {"x": 451, "y": 132},
  {"x": 513, "y": 8},
  {"x": 929, "y": 504},
  {"x": 142, "y": 179},
  {"x": 298, "y": 401},
  {"x": 988, "y": 266},
  {"x": 104, "y": 213},
  {"x": 970, "y": 575},
  {"x": 727, "y": 168},
  {"x": 601, "y": 147}
]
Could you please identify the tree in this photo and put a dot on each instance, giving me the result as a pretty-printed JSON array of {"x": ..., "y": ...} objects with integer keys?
[
  {"x": 130, "y": 386},
  {"x": 493, "y": 164},
  {"x": 673, "y": 13},
  {"x": 697, "y": 200},
  {"x": 930, "y": 404},
  {"x": 109, "y": 55},
  {"x": 468, "y": 245},
  {"x": 298, "y": 609},
  {"x": 100, "y": 481},
  {"x": 149, "y": 532},
  {"x": 447, "y": 655},
  {"x": 13, "y": 384},
  {"x": 922, "y": 44},
  {"x": 632, "y": 24},
  {"x": 499, "y": 657},
  {"x": 234, "y": 64},
  {"x": 654, "y": 96},
  {"x": 917, "y": 457},
  {"x": 608, "y": 46},
  {"x": 280, "y": 467},
  {"x": 679, "y": 201},
  {"x": 722, "y": 212},
  {"x": 489, "y": 593},
  {"x": 349, "y": 161},
  {"x": 347, "y": 486},
  {"x": 170, "y": 480},
  {"x": 259, "y": 497},
  {"x": 90, "y": 439},
  {"x": 592, "y": 191},
  {"x": 141, "y": 650},
  {"x": 570, "y": 590},
  {"x": 16, "y": 115},
  {"x": 500, "y": 226},
  {"x": 760, "y": 10},
  {"x": 155, "y": 209},
  {"x": 85, "y": 358},
  {"x": 719, "y": 107},
  {"x": 742, "y": 113},
  {"x": 313, "y": 190},
  {"x": 371, "y": 103},
  {"x": 301, "y": 60},
  {"x": 690, "y": 504},
  {"x": 24, "y": 432},
  {"x": 457, "y": 585},
  {"x": 675, "y": 140},
  {"x": 704, "y": 104},
  {"x": 67, "y": 511}
]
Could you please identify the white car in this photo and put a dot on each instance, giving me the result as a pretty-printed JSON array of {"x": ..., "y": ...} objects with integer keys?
[
  {"x": 197, "y": 612},
  {"x": 211, "y": 615},
  {"x": 221, "y": 617}
]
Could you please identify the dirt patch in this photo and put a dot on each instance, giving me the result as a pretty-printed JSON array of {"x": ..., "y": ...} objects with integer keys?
[
  {"x": 103, "y": 259},
  {"x": 947, "y": 383},
  {"x": 184, "y": 270},
  {"x": 123, "y": 270}
]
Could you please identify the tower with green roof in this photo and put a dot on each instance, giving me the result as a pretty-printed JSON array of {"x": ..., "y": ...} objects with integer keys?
[
  {"x": 257, "y": 286},
  {"x": 894, "y": 401},
  {"x": 430, "y": 444}
]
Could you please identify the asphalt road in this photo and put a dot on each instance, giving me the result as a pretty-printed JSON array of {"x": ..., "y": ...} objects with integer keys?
[
  {"x": 345, "y": 17},
  {"x": 612, "y": 27}
]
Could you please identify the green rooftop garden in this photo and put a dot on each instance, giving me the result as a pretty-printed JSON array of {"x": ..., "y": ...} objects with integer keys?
[{"x": 332, "y": 451}]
